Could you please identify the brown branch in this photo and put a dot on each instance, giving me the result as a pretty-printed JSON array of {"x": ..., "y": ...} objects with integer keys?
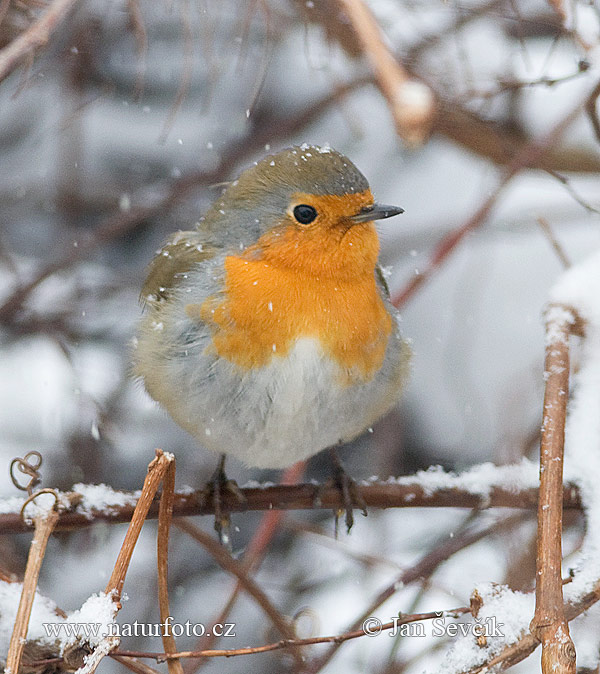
[
  {"x": 549, "y": 624},
  {"x": 294, "y": 643},
  {"x": 156, "y": 472},
  {"x": 165, "y": 515},
  {"x": 134, "y": 665},
  {"x": 592, "y": 111},
  {"x": 44, "y": 525},
  {"x": 549, "y": 234},
  {"x": 528, "y": 155},
  {"x": 411, "y": 102},
  {"x": 523, "y": 648},
  {"x": 37, "y": 35},
  {"x": 224, "y": 559},
  {"x": 302, "y": 497},
  {"x": 493, "y": 141},
  {"x": 256, "y": 552},
  {"x": 424, "y": 568}
]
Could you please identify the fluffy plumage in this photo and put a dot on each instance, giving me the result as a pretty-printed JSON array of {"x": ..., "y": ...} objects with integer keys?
[{"x": 265, "y": 338}]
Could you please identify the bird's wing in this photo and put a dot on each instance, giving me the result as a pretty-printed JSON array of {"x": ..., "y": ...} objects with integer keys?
[{"x": 178, "y": 255}]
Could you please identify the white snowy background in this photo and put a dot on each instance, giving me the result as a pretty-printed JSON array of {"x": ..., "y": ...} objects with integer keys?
[{"x": 77, "y": 146}]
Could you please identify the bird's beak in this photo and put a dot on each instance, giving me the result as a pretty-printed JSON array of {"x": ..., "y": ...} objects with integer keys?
[{"x": 375, "y": 212}]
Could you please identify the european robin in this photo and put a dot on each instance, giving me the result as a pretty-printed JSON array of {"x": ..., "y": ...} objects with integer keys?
[{"x": 268, "y": 331}]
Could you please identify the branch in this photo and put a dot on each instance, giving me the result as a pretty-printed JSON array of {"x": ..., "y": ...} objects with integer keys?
[
  {"x": 527, "y": 156},
  {"x": 411, "y": 102},
  {"x": 156, "y": 473},
  {"x": 549, "y": 624},
  {"x": 523, "y": 648},
  {"x": 293, "y": 497},
  {"x": 165, "y": 515},
  {"x": 224, "y": 559},
  {"x": 44, "y": 525},
  {"x": 592, "y": 112},
  {"x": 423, "y": 569},
  {"x": 37, "y": 35},
  {"x": 294, "y": 643}
]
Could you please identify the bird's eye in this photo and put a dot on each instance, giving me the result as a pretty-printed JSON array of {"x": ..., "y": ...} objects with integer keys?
[{"x": 305, "y": 214}]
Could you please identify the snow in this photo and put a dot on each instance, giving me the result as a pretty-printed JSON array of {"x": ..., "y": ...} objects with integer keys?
[
  {"x": 580, "y": 288},
  {"x": 43, "y": 611},
  {"x": 479, "y": 480},
  {"x": 102, "y": 498},
  {"x": 475, "y": 391},
  {"x": 512, "y": 612},
  {"x": 99, "y": 609}
]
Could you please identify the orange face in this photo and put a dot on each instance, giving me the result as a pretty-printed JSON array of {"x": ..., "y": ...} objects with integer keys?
[
  {"x": 330, "y": 246},
  {"x": 305, "y": 280}
]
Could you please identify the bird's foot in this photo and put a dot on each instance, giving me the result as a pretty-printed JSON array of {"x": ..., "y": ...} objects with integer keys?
[
  {"x": 350, "y": 492},
  {"x": 218, "y": 485}
]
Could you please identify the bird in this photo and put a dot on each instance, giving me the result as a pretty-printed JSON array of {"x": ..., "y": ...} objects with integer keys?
[{"x": 267, "y": 331}]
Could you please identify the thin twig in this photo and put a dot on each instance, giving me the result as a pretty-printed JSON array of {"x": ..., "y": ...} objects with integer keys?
[
  {"x": 549, "y": 624},
  {"x": 134, "y": 665},
  {"x": 224, "y": 559},
  {"x": 44, "y": 525},
  {"x": 37, "y": 35},
  {"x": 424, "y": 568},
  {"x": 527, "y": 156},
  {"x": 411, "y": 102},
  {"x": 558, "y": 249},
  {"x": 293, "y": 643},
  {"x": 592, "y": 111},
  {"x": 165, "y": 515},
  {"x": 157, "y": 469},
  {"x": 141, "y": 41},
  {"x": 156, "y": 472}
]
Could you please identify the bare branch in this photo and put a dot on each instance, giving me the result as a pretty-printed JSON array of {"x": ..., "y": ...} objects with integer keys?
[
  {"x": 293, "y": 643},
  {"x": 156, "y": 473},
  {"x": 549, "y": 623},
  {"x": 239, "y": 570},
  {"x": 44, "y": 525},
  {"x": 37, "y": 35},
  {"x": 165, "y": 515},
  {"x": 526, "y": 157},
  {"x": 411, "y": 102},
  {"x": 301, "y": 497}
]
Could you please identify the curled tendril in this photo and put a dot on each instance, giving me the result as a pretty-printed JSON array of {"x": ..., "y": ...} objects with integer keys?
[
  {"x": 31, "y": 498},
  {"x": 28, "y": 465}
]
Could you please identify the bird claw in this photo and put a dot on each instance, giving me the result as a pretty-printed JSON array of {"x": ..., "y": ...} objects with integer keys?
[
  {"x": 218, "y": 485},
  {"x": 350, "y": 492}
]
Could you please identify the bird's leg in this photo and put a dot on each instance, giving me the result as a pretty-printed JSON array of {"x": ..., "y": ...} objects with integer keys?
[
  {"x": 217, "y": 485},
  {"x": 349, "y": 490}
]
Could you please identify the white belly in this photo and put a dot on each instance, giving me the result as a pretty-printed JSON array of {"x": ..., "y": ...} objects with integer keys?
[{"x": 271, "y": 417}]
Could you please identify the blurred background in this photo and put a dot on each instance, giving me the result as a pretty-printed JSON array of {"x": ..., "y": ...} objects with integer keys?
[{"x": 120, "y": 131}]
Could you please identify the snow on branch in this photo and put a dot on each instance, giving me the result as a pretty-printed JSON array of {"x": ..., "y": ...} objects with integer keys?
[
  {"x": 484, "y": 486},
  {"x": 574, "y": 309}
]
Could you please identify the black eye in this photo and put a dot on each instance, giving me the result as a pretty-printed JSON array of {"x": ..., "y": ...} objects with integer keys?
[{"x": 305, "y": 214}]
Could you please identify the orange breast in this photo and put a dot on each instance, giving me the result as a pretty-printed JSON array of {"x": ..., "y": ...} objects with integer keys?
[{"x": 267, "y": 307}]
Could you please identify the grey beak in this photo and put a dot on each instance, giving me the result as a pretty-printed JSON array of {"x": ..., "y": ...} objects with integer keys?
[{"x": 376, "y": 212}]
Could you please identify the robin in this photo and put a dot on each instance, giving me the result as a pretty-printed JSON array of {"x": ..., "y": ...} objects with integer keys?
[{"x": 268, "y": 331}]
